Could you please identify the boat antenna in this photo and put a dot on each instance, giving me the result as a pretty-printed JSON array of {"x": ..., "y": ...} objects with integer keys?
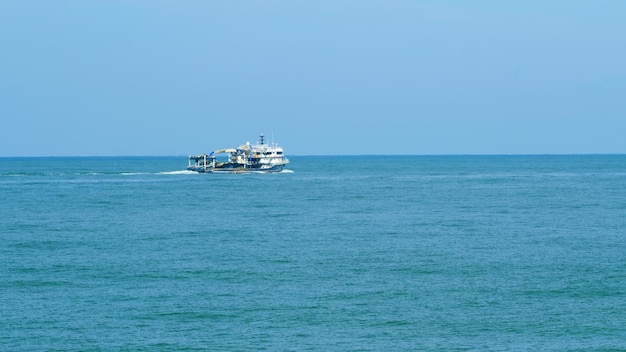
[{"x": 262, "y": 137}]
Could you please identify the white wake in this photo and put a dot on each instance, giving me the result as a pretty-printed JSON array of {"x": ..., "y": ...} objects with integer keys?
[{"x": 179, "y": 172}]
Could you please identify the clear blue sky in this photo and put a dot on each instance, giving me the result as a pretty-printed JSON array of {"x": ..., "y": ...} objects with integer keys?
[{"x": 172, "y": 77}]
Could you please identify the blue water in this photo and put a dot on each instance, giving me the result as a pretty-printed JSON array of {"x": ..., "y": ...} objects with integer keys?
[{"x": 371, "y": 253}]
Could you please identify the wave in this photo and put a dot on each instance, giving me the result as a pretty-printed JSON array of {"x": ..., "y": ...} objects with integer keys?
[
  {"x": 126, "y": 173},
  {"x": 189, "y": 172}
]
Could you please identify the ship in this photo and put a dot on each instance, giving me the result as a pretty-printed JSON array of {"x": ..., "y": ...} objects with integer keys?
[{"x": 260, "y": 157}]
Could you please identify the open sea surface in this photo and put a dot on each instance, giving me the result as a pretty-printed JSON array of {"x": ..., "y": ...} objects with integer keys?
[{"x": 366, "y": 253}]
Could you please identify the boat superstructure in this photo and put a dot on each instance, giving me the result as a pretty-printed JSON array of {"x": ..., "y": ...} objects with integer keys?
[{"x": 259, "y": 157}]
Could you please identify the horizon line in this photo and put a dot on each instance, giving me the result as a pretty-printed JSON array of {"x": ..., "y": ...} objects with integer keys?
[{"x": 315, "y": 155}]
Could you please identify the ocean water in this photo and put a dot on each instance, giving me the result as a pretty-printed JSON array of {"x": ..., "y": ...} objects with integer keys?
[{"x": 367, "y": 253}]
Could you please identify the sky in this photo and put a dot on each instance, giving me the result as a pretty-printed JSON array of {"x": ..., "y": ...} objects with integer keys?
[{"x": 323, "y": 77}]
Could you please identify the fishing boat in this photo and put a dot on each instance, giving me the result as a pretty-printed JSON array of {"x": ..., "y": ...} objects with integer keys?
[{"x": 259, "y": 157}]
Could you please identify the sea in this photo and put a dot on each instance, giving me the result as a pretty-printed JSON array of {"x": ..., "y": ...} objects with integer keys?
[{"x": 337, "y": 253}]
